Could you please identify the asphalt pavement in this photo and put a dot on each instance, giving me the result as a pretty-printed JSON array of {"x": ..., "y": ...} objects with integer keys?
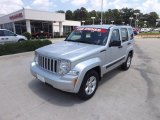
[{"x": 129, "y": 95}]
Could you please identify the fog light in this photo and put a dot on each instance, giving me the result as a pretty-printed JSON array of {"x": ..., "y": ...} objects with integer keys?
[{"x": 73, "y": 72}]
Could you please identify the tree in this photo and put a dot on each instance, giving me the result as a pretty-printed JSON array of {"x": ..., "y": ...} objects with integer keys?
[
  {"x": 69, "y": 15},
  {"x": 83, "y": 13},
  {"x": 126, "y": 13},
  {"x": 76, "y": 15},
  {"x": 92, "y": 13},
  {"x": 116, "y": 15},
  {"x": 152, "y": 19},
  {"x": 80, "y": 14}
]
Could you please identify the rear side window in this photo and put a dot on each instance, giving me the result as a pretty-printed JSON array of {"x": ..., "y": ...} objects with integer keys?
[
  {"x": 1, "y": 33},
  {"x": 124, "y": 34},
  {"x": 131, "y": 34}
]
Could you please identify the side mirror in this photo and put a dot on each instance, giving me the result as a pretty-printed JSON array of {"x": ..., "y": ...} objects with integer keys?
[
  {"x": 15, "y": 34},
  {"x": 115, "y": 44}
]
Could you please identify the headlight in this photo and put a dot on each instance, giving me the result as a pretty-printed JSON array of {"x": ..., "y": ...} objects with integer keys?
[
  {"x": 64, "y": 67},
  {"x": 36, "y": 58}
]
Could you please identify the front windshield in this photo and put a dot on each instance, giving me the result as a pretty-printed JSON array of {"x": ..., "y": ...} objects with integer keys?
[{"x": 94, "y": 36}]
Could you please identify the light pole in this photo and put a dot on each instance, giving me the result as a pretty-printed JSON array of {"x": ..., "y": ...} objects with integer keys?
[
  {"x": 131, "y": 18},
  {"x": 93, "y": 18},
  {"x": 136, "y": 21},
  {"x": 83, "y": 22},
  {"x": 112, "y": 22},
  {"x": 101, "y": 12},
  {"x": 145, "y": 23},
  {"x": 123, "y": 23}
]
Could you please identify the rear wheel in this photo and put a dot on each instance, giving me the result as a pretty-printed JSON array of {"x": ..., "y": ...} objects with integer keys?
[
  {"x": 127, "y": 64},
  {"x": 89, "y": 85}
]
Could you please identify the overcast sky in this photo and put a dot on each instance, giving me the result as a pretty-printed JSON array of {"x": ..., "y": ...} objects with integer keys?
[{"x": 146, "y": 6}]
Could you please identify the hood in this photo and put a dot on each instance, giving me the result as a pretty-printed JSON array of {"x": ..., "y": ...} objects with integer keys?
[{"x": 69, "y": 50}]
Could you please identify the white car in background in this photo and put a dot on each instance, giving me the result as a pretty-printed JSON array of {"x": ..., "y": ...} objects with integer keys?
[
  {"x": 146, "y": 29},
  {"x": 7, "y": 36},
  {"x": 157, "y": 29}
]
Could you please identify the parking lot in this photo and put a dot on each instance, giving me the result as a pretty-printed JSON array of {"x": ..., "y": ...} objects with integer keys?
[{"x": 130, "y": 95}]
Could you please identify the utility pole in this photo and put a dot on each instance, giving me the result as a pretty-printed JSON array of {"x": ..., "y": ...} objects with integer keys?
[
  {"x": 136, "y": 20},
  {"x": 101, "y": 12},
  {"x": 93, "y": 18}
]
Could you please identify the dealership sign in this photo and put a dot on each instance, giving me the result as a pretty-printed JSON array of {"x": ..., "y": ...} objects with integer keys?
[{"x": 16, "y": 16}]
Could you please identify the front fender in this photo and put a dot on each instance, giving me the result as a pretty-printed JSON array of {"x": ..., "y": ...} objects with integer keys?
[{"x": 83, "y": 68}]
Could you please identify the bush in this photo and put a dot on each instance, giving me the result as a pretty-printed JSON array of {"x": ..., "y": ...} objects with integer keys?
[
  {"x": 20, "y": 47},
  {"x": 27, "y": 35}
]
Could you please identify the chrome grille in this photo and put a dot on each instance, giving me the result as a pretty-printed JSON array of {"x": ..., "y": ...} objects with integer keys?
[{"x": 47, "y": 63}]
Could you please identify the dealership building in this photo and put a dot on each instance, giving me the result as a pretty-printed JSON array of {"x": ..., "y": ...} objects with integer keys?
[{"x": 32, "y": 21}]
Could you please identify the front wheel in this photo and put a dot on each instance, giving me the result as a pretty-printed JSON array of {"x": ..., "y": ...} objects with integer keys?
[
  {"x": 89, "y": 85},
  {"x": 127, "y": 64}
]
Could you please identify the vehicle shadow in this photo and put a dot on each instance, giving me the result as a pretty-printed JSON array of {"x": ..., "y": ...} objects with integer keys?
[
  {"x": 60, "y": 98},
  {"x": 52, "y": 95}
]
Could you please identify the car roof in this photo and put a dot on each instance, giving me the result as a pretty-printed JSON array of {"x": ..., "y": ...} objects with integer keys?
[{"x": 105, "y": 26}]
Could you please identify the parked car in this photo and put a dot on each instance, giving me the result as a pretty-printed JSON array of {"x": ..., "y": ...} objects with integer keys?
[
  {"x": 146, "y": 30},
  {"x": 157, "y": 29},
  {"x": 77, "y": 64},
  {"x": 7, "y": 36}
]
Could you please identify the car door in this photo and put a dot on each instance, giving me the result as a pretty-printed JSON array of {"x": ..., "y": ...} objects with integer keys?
[
  {"x": 9, "y": 36},
  {"x": 114, "y": 53}
]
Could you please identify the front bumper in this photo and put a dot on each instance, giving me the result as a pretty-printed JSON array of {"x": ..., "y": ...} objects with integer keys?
[{"x": 64, "y": 83}]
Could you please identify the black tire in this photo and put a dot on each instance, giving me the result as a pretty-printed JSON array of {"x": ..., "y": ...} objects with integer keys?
[
  {"x": 91, "y": 85},
  {"x": 126, "y": 65}
]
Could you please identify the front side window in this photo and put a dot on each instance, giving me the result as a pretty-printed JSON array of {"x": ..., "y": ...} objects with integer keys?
[
  {"x": 96, "y": 36},
  {"x": 8, "y": 33},
  {"x": 115, "y": 35},
  {"x": 124, "y": 34}
]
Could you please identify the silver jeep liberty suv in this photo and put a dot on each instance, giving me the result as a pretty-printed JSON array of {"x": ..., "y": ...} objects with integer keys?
[{"x": 79, "y": 62}]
